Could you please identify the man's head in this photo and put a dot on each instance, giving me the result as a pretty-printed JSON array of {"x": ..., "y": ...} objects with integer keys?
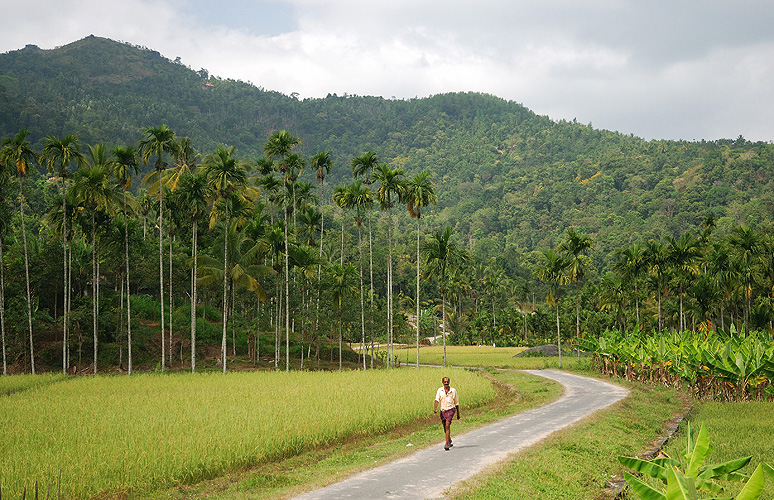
[{"x": 445, "y": 381}]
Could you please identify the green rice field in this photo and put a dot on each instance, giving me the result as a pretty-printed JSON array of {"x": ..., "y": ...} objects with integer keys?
[
  {"x": 134, "y": 434},
  {"x": 488, "y": 356}
]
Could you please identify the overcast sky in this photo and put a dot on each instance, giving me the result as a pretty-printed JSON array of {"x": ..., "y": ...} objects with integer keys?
[{"x": 678, "y": 69}]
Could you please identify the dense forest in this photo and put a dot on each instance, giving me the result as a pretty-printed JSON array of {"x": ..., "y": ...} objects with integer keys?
[{"x": 316, "y": 208}]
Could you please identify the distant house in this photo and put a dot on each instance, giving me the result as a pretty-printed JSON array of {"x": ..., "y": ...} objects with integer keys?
[{"x": 207, "y": 85}]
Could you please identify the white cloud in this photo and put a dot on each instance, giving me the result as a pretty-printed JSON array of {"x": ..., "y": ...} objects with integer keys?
[{"x": 691, "y": 69}]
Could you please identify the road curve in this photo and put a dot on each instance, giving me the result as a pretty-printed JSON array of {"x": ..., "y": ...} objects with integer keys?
[{"x": 430, "y": 471}]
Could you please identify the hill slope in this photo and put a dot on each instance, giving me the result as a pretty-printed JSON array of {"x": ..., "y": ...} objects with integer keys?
[{"x": 509, "y": 180}]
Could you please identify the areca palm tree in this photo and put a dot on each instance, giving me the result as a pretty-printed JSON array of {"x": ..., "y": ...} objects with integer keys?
[
  {"x": 745, "y": 244},
  {"x": 631, "y": 266},
  {"x": 443, "y": 258},
  {"x": 124, "y": 165},
  {"x": 17, "y": 153},
  {"x": 420, "y": 194},
  {"x": 392, "y": 189},
  {"x": 280, "y": 146},
  {"x": 359, "y": 197},
  {"x": 364, "y": 165},
  {"x": 552, "y": 272},
  {"x": 226, "y": 177},
  {"x": 682, "y": 258},
  {"x": 95, "y": 190},
  {"x": 193, "y": 195},
  {"x": 158, "y": 142},
  {"x": 576, "y": 247},
  {"x": 657, "y": 264},
  {"x": 60, "y": 155},
  {"x": 341, "y": 284}
]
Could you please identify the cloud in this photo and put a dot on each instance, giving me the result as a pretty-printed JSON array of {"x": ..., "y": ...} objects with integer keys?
[{"x": 691, "y": 69}]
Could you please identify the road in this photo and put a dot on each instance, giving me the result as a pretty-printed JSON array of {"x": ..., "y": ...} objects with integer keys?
[{"x": 429, "y": 472}]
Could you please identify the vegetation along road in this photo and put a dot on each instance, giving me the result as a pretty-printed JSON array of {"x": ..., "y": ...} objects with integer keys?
[{"x": 429, "y": 472}]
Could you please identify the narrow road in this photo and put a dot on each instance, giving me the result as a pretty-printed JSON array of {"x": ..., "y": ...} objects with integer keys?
[{"x": 428, "y": 472}]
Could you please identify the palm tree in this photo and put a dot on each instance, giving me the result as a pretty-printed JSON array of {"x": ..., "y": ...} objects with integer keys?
[
  {"x": 420, "y": 194},
  {"x": 576, "y": 247},
  {"x": 60, "y": 155},
  {"x": 360, "y": 198},
  {"x": 631, "y": 265},
  {"x": 746, "y": 245},
  {"x": 94, "y": 189},
  {"x": 124, "y": 165},
  {"x": 655, "y": 256},
  {"x": 392, "y": 188},
  {"x": 193, "y": 196},
  {"x": 364, "y": 165},
  {"x": 280, "y": 146},
  {"x": 226, "y": 177},
  {"x": 16, "y": 152},
  {"x": 682, "y": 257},
  {"x": 158, "y": 142},
  {"x": 341, "y": 285},
  {"x": 4, "y": 220},
  {"x": 443, "y": 258},
  {"x": 552, "y": 272}
]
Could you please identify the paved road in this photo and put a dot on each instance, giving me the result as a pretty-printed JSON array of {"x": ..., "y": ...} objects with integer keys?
[{"x": 428, "y": 472}]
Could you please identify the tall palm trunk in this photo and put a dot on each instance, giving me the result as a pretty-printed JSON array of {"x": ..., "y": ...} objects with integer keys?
[
  {"x": 170, "y": 299},
  {"x": 371, "y": 284},
  {"x": 225, "y": 294},
  {"x": 558, "y": 334},
  {"x": 193, "y": 298},
  {"x": 443, "y": 330},
  {"x": 94, "y": 287},
  {"x": 417, "y": 295},
  {"x": 287, "y": 288},
  {"x": 128, "y": 292},
  {"x": 2, "y": 307},
  {"x": 65, "y": 312},
  {"x": 362, "y": 305},
  {"x": 161, "y": 271},
  {"x": 389, "y": 287},
  {"x": 27, "y": 275}
]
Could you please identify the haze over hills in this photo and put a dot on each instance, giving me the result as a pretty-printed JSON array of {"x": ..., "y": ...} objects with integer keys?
[{"x": 509, "y": 181}]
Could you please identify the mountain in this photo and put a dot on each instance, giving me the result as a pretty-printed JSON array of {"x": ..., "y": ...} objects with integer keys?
[{"x": 508, "y": 180}]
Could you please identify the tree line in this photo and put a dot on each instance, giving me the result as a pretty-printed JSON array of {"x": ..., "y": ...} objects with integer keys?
[{"x": 313, "y": 266}]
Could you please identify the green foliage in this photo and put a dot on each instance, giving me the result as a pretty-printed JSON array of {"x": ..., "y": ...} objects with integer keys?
[{"x": 694, "y": 476}]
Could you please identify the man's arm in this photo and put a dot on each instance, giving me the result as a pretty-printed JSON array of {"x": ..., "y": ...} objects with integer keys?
[
  {"x": 435, "y": 406},
  {"x": 458, "y": 411}
]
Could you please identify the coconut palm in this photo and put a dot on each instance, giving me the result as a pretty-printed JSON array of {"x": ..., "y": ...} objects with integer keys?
[
  {"x": 60, "y": 154},
  {"x": 552, "y": 272},
  {"x": 94, "y": 189},
  {"x": 158, "y": 142},
  {"x": 17, "y": 152},
  {"x": 192, "y": 196},
  {"x": 226, "y": 177},
  {"x": 392, "y": 189},
  {"x": 420, "y": 194},
  {"x": 443, "y": 258},
  {"x": 4, "y": 222},
  {"x": 576, "y": 247}
]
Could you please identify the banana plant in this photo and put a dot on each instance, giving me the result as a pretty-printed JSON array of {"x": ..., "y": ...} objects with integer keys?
[{"x": 697, "y": 476}]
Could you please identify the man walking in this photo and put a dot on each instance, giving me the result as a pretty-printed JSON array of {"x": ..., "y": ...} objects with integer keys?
[{"x": 446, "y": 398}]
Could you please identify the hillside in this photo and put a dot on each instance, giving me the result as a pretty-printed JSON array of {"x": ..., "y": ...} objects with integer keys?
[{"x": 508, "y": 180}]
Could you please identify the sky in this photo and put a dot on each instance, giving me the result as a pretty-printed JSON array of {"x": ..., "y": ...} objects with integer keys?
[{"x": 678, "y": 69}]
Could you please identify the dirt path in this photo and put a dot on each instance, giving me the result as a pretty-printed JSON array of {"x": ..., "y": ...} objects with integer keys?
[{"x": 429, "y": 472}]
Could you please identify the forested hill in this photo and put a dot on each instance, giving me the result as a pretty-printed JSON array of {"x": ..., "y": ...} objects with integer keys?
[{"x": 508, "y": 180}]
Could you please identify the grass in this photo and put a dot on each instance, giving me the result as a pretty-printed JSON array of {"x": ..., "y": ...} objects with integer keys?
[
  {"x": 735, "y": 430},
  {"x": 19, "y": 383},
  {"x": 131, "y": 435},
  {"x": 494, "y": 357},
  {"x": 516, "y": 392}
]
